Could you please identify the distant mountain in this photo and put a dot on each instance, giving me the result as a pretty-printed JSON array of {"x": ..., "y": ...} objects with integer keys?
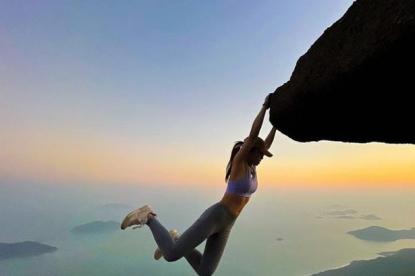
[
  {"x": 401, "y": 262},
  {"x": 24, "y": 249},
  {"x": 97, "y": 227},
  {"x": 377, "y": 233}
]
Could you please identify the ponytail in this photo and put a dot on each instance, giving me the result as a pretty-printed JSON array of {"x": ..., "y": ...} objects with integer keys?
[{"x": 235, "y": 150}]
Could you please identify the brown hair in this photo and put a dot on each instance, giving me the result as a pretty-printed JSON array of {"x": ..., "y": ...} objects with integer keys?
[{"x": 235, "y": 149}]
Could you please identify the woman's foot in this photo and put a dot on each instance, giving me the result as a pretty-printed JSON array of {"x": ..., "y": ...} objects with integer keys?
[
  {"x": 138, "y": 217},
  {"x": 175, "y": 235}
]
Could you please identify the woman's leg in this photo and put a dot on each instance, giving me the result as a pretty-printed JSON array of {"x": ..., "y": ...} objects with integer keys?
[
  {"x": 215, "y": 246},
  {"x": 194, "y": 258},
  {"x": 214, "y": 224},
  {"x": 214, "y": 249},
  {"x": 204, "y": 226}
]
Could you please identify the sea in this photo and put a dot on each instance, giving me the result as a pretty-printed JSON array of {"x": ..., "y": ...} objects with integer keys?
[{"x": 281, "y": 231}]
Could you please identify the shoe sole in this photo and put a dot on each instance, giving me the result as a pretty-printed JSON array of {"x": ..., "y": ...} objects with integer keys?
[{"x": 137, "y": 214}]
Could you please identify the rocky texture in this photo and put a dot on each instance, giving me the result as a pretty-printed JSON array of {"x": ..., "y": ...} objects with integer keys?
[
  {"x": 356, "y": 81},
  {"x": 24, "y": 249}
]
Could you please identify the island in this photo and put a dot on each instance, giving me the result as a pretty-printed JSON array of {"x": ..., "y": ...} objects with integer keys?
[
  {"x": 24, "y": 249},
  {"x": 381, "y": 234},
  {"x": 391, "y": 263}
]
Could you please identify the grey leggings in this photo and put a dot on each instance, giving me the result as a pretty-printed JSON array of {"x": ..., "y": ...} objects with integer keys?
[{"x": 214, "y": 224}]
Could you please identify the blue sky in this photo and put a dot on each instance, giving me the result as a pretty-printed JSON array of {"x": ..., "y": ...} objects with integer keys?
[
  {"x": 161, "y": 80},
  {"x": 162, "y": 57}
]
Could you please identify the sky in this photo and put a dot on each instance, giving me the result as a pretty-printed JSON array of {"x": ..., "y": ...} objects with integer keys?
[{"x": 157, "y": 92}]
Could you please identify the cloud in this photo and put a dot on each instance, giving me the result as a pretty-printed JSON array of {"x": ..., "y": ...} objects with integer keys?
[
  {"x": 370, "y": 217},
  {"x": 342, "y": 212}
]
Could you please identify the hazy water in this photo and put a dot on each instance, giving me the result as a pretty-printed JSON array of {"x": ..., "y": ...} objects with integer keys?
[{"x": 46, "y": 213}]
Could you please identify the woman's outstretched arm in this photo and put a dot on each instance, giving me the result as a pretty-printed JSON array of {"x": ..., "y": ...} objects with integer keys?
[
  {"x": 257, "y": 124},
  {"x": 270, "y": 138},
  {"x": 256, "y": 127}
]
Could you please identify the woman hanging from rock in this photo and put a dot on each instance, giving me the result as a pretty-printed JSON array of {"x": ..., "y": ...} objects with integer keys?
[{"x": 215, "y": 223}]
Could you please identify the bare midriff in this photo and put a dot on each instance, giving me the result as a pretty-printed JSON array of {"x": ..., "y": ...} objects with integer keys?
[{"x": 235, "y": 203}]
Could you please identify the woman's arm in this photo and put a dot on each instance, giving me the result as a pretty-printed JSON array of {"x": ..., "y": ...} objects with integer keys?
[
  {"x": 270, "y": 138},
  {"x": 257, "y": 124},
  {"x": 256, "y": 127}
]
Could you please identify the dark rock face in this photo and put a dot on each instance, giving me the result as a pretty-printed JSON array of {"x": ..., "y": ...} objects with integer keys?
[
  {"x": 24, "y": 249},
  {"x": 356, "y": 81}
]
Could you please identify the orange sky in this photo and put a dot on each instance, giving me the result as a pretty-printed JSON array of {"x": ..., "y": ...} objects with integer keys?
[{"x": 64, "y": 156}]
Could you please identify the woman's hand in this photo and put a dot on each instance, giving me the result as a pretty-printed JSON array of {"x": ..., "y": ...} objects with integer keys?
[{"x": 267, "y": 101}]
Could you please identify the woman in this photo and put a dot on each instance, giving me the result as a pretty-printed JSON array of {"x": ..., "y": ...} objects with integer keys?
[{"x": 216, "y": 222}]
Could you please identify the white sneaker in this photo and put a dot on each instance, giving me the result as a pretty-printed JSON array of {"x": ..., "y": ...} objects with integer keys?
[
  {"x": 175, "y": 235},
  {"x": 138, "y": 216}
]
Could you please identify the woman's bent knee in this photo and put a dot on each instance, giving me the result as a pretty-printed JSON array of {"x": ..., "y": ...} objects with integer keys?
[
  {"x": 206, "y": 270},
  {"x": 172, "y": 256}
]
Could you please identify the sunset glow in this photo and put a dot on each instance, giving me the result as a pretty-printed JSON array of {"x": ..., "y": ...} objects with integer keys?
[{"x": 138, "y": 96}]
